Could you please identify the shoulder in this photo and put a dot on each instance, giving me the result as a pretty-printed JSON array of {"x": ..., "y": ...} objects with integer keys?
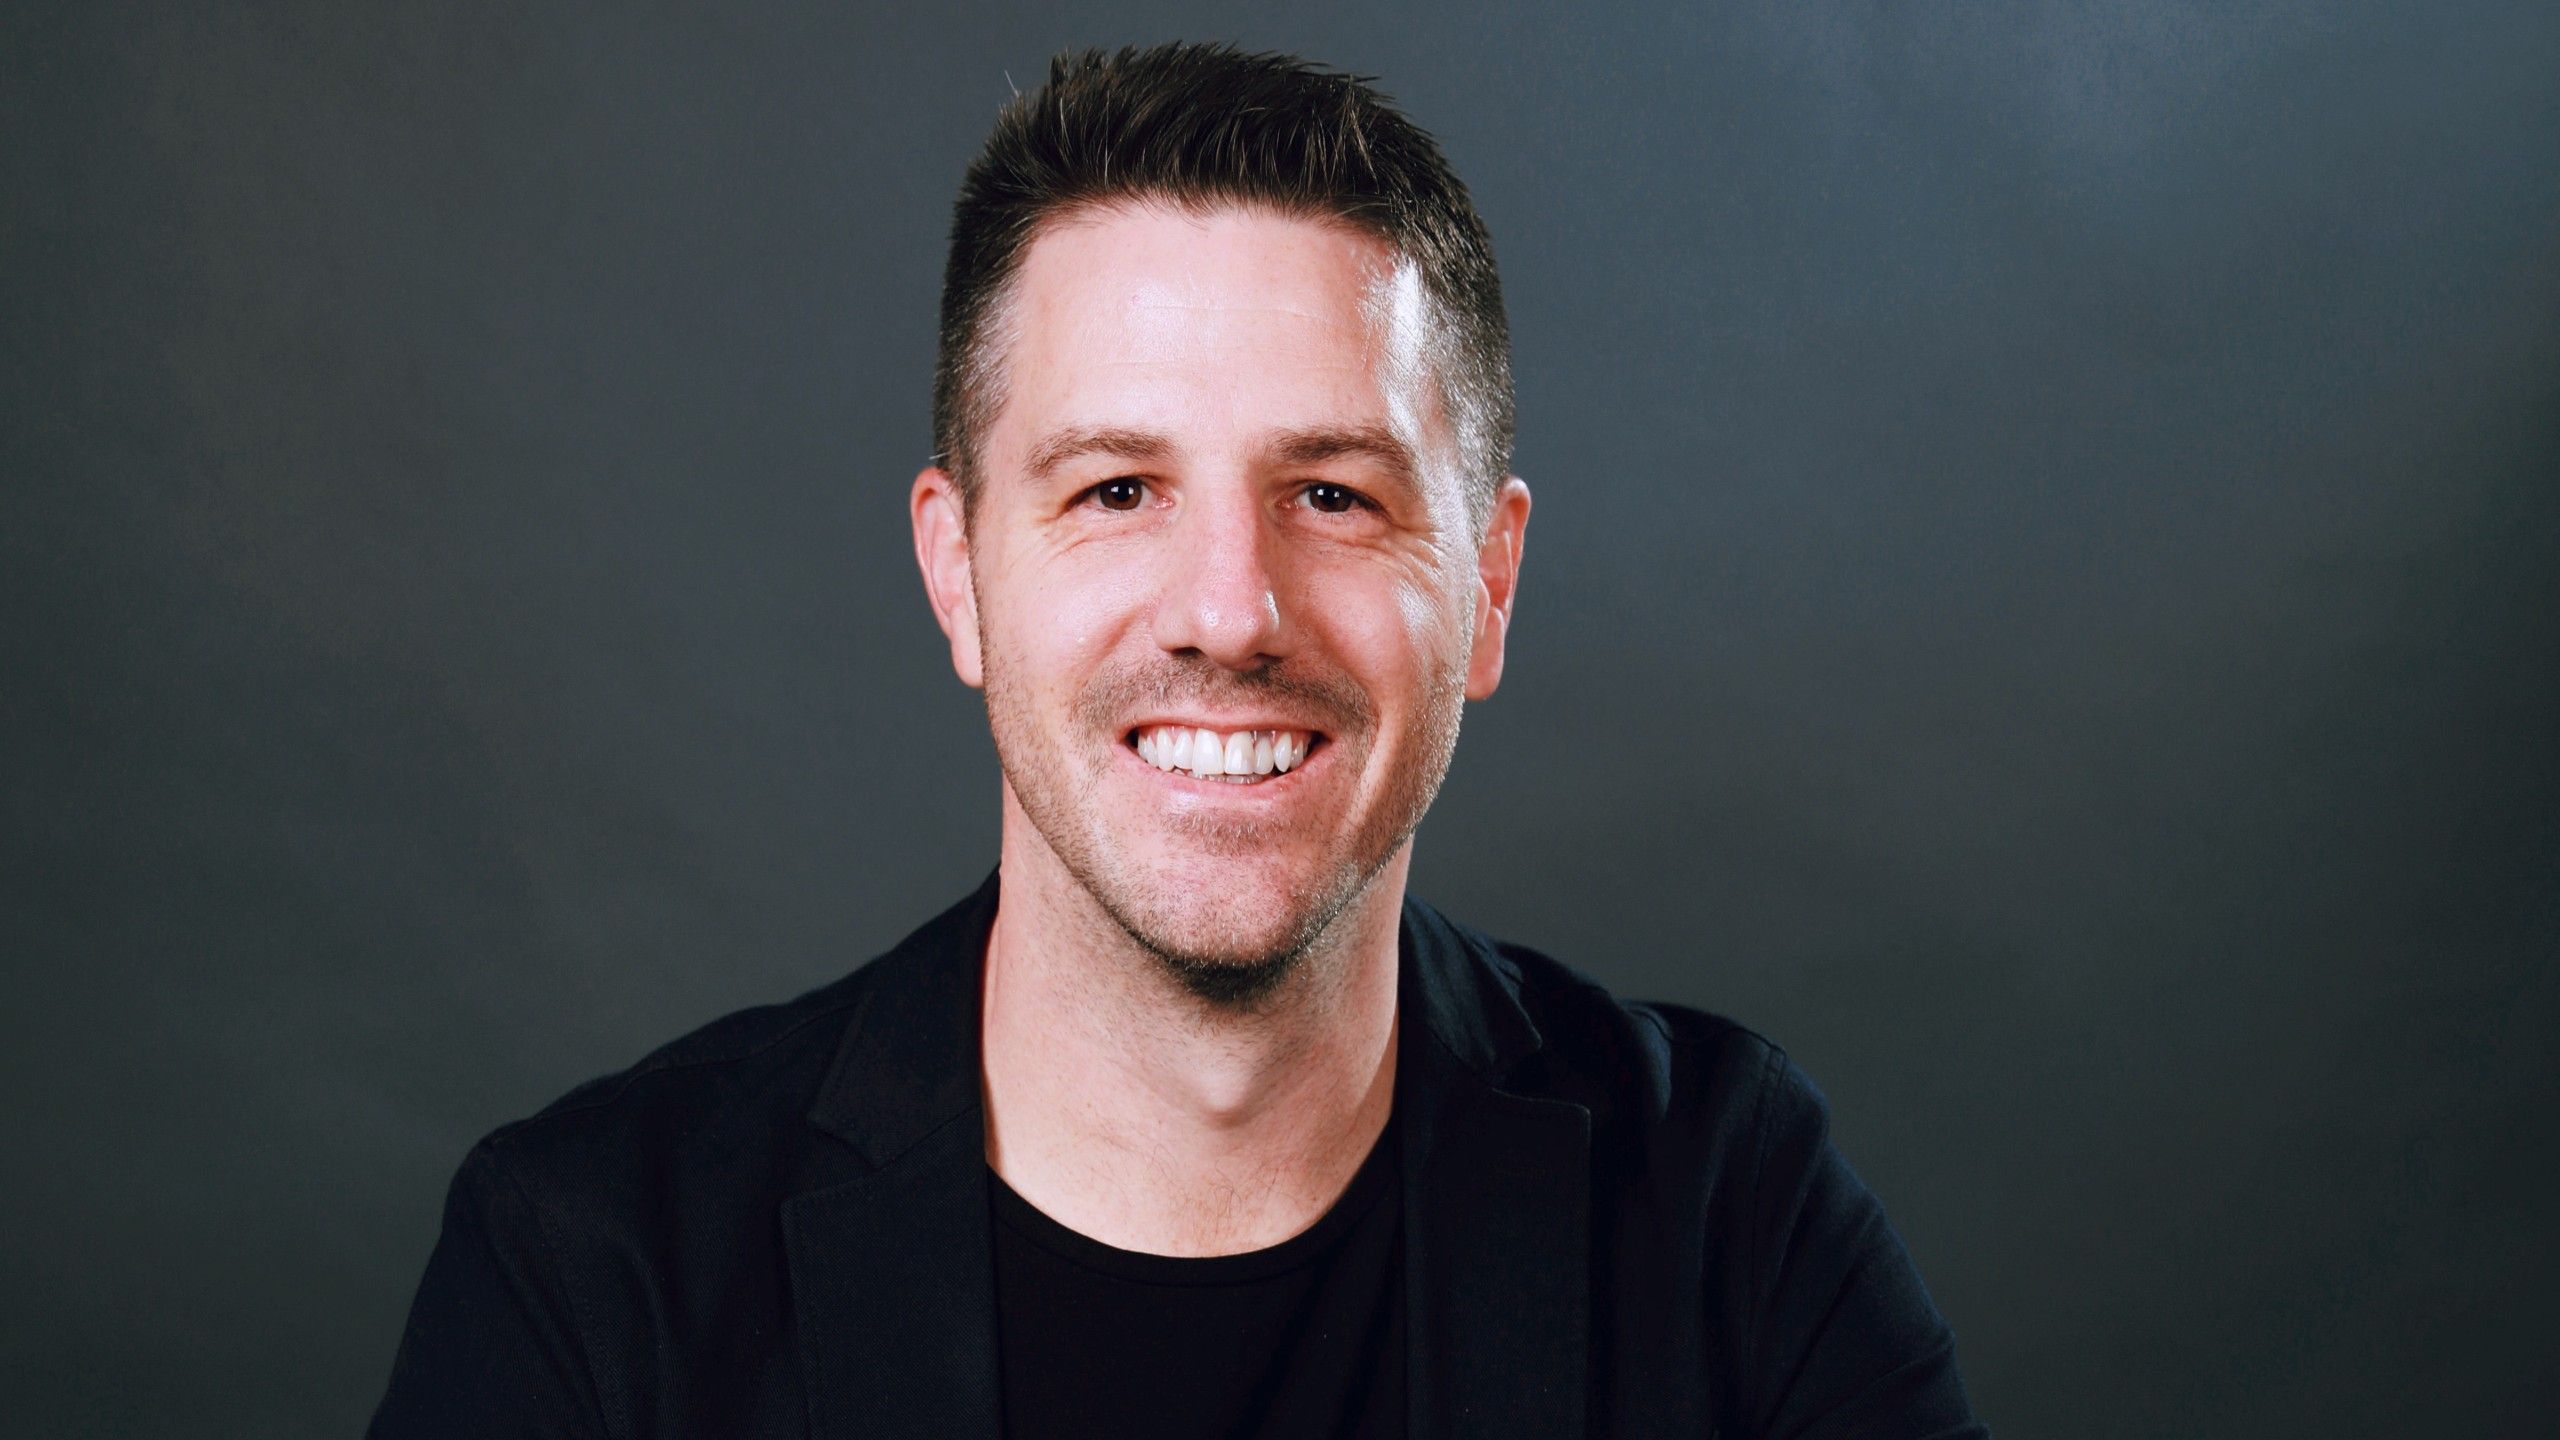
[
  {"x": 726, "y": 1101},
  {"x": 1713, "y": 1163},
  {"x": 1663, "y": 1072},
  {"x": 728, "y": 1062},
  {"x": 730, "y": 1108}
]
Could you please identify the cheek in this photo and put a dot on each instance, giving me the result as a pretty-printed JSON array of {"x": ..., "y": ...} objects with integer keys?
[
  {"x": 1400, "y": 636},
  {"x": 1056, "y": 623}
]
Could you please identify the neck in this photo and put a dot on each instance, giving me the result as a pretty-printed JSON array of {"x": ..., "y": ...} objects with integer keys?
[{"x": 1131, "y": 1111}]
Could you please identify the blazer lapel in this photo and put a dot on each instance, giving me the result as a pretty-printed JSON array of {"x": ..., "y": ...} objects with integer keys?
[
  {"x": 896, "y": 1297},
  {"x": 1497, "y": 1209},
  {"x": 893, "y": 1272},
  {"x": 893, "y": 1275}
]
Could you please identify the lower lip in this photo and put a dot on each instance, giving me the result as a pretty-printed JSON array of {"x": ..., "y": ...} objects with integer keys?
[{"x": 1277, "y": 780}]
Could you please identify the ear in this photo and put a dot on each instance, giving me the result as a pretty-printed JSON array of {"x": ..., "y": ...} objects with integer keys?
[
  {"x": 937, "y": 511},
  {"x": 1506, "y": 532}
]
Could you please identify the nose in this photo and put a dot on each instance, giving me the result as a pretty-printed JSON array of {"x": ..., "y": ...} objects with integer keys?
[{"x": 1222, "y": 596}]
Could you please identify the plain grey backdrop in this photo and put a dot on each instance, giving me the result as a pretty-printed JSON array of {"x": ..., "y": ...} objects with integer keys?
[{"x": 2044, "y": 598}]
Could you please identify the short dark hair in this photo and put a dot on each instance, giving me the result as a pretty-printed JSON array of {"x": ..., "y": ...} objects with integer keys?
[{"x": 1207, "y": 125}]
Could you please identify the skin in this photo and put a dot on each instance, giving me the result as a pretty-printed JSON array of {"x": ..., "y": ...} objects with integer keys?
[{"x": 1220, "y": 490}]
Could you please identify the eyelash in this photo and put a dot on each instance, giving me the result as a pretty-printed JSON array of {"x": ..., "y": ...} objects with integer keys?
[
  {"x": 1358, "y": 501},
  {"x": 1093, "y": 493}
]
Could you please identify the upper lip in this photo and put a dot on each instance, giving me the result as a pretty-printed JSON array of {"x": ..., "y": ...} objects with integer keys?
[{"x": 1225, "y": 726}]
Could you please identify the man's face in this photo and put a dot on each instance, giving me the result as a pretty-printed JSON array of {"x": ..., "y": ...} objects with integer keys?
[{"x": 1220, "y": 527}]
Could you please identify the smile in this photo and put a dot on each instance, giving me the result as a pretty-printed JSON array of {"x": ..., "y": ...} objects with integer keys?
[{"x": 1237, "y": 756}]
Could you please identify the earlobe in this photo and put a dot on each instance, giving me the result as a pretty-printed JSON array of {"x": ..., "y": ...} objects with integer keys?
[
  {"x": 936, "y": 509},
  {"x": 1506, "y": 534}
]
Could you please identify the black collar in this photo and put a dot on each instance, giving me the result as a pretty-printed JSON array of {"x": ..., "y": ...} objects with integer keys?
[
  {"x": 909, "y": 1062},
  {"x": 894, "y": 1283}
]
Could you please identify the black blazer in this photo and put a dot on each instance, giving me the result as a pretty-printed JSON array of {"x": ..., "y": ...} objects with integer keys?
[{"x": 1621, "y": 1219}]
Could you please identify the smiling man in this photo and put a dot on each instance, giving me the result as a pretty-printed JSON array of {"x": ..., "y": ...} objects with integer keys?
[{"x": 1190, "y": 1122}]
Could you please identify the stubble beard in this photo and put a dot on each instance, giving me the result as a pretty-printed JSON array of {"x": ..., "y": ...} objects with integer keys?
[{"x": 1218, "y": 953}]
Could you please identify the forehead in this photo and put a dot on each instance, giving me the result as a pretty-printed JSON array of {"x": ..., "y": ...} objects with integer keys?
[{"x": 1210, "y": 326}]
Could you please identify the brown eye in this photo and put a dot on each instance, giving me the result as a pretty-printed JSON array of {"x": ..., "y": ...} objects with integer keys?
[
  {"x": 1123, "y": 494},
  {"x": 1331, "y": 499}
]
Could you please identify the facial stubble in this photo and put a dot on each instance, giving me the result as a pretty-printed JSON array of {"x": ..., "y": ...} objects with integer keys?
[{"x": 1217, "y": 962}]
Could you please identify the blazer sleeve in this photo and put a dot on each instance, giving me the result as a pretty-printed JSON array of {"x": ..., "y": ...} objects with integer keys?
[
  {"x": 492, "y": 1347},
  {"x": 1845, "y": 1340}
]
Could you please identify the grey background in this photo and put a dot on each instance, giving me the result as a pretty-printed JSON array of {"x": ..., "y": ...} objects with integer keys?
[{"x": 2044, "y": 597}]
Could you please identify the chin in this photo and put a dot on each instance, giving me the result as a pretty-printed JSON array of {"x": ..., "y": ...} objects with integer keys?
[
  {"x": 1231, "y": 950},
  {"x": 1231, "y": 985}
]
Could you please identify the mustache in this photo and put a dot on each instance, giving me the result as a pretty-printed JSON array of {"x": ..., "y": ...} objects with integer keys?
[{"x": 1328, "y": 698}]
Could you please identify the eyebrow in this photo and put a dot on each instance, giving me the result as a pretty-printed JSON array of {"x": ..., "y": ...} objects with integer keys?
[
  {"x": 1062, "y": 446},
  {"x": 1313, "y": 446},
  {"x": 1370, "y": 442}
]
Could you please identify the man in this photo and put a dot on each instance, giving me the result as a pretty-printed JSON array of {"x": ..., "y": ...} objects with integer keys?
[{"x": 1190, "y": 1122}]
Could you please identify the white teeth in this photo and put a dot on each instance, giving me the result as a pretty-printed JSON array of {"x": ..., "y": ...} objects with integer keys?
[{"x": 1210, "y": 755}]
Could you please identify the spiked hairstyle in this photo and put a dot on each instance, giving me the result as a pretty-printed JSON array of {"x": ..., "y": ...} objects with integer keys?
[{"x": 1207, "y": 126}]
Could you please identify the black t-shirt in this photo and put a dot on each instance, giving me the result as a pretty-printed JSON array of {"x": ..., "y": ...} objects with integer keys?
[{"x": 1303, "y": 1338}]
